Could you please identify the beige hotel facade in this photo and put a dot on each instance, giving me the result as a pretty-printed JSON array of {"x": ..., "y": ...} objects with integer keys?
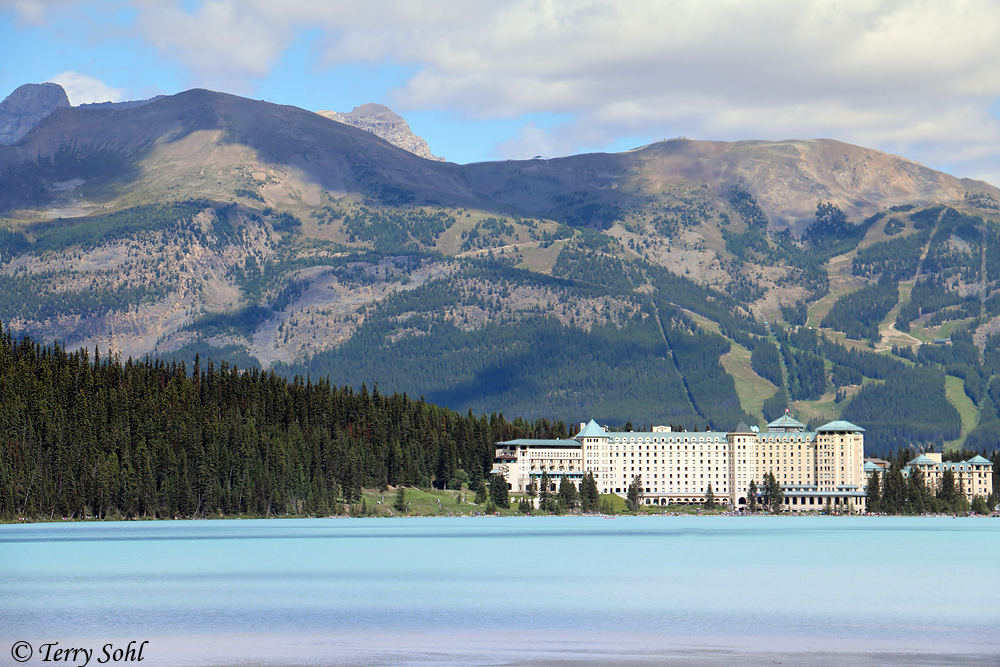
[{"x": 813, "y": 467}]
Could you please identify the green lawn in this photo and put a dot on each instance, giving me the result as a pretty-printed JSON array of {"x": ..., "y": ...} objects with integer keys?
[
  {"x": 617, "y": 502},
  {"x": 423, "y": 502}
]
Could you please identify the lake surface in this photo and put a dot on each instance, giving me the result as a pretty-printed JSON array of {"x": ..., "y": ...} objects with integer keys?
[{"x": 497, "y": 591}]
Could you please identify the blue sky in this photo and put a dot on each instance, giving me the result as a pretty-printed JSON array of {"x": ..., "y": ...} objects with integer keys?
[{"x": 482, "y": 80}]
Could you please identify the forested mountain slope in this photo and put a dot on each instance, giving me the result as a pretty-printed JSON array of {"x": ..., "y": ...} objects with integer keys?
[{"x": 688, "y": 283}]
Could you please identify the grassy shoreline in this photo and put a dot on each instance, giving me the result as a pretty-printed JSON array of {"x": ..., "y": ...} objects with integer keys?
[{"x": 422, "y": 503}]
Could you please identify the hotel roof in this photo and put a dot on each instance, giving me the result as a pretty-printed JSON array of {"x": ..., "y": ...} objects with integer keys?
[
  {"x": 840, "y": 425},
  {"x": 537, "y": 442},
  {"x": 591, "y": 430},
  {"x": 786, "y": 421}
]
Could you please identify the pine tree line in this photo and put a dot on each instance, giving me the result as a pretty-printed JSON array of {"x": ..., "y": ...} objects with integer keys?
[{"x": 84, "y": 436}]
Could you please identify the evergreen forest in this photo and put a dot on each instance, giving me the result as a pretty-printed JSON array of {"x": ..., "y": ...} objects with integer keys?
[{"x": 91, "y": 436}]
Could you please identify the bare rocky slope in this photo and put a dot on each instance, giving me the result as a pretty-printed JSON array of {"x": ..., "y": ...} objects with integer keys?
[
  {"x": 25, "y": 107},
  {"x": 385, "y": 123},
  {"x": 168, "y": 144}
]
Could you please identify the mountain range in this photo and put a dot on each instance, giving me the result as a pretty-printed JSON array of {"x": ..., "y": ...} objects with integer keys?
[{"x": 685, "y": 282}]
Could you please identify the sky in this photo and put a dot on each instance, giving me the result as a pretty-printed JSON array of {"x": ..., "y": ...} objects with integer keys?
[{"x": 492, "y": 79}]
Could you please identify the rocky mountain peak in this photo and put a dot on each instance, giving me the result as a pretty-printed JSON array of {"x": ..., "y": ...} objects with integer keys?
[
  {"x": 386, "y": 124},
  {"x": 26, "y": 107}
]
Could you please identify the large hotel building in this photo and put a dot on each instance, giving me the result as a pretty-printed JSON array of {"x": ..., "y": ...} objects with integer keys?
[{"x": 814, "y": 468}]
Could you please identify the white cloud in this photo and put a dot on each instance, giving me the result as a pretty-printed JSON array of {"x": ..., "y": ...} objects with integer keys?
[
  {"x": 36, "y": 12},
  {"x": 222, "y": 44},
  {"x": 32, "y": 13},
  {"x": 29, "y": 12},
  {"x": 84, "y": 89}
]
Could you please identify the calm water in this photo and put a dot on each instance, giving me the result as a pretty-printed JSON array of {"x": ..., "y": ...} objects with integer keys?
[{"x": 698, "y": 590}]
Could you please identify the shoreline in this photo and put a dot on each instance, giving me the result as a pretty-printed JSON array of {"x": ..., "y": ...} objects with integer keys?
[{"x": 483, "y": 515}]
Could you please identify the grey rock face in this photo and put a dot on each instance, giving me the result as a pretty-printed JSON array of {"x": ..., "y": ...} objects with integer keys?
[
  {"x": 26, "y": 107},
  {"x": 386, "y": 124}
]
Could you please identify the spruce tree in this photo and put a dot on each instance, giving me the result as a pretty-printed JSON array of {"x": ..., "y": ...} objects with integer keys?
[
  {"x": 567, "y": 493},
  {"x": 589, "y": 495},
  {"x": 498, "y": 491},
  {"x": 635, "y": 492},
  {"x": 894, "y": 489},
  {"x": 916, "y": 493},
  {"x": 710, "y": 498},
  {"x": 544, "y": 495},
  {"x": 947, "y": 492},
  {"x": 400, "y": 503},
  {"x": 776, "y": 495},
  {"x": 873, "y": 499}
]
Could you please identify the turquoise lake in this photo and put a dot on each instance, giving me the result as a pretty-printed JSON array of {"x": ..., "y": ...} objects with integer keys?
[{"x": 524, "y": 590}]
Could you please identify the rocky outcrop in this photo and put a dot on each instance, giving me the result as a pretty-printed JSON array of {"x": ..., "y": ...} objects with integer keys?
[
  {"x": 386, "y": 124},
  {"x": 26, "y": 107}
]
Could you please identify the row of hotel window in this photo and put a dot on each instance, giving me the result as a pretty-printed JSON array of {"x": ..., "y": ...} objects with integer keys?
[
  {"x": 710, "y": 439},
  {"x": 770, "y": 447}
]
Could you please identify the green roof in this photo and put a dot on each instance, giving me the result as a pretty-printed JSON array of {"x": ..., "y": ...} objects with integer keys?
[
  {"x": 979, "y": 461},
  {"x": 840, "y": 425},
  {"x": 922, "y": 461},
  {"x": 592, "y": 430},
  {"x": 535, "y": 442},
  {"x": 786, "y": 421}
]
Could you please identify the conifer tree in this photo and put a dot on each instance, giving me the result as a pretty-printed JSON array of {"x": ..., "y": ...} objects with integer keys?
[
  {"x": 773, "y": 493},
  {"x": 567, "y": 493},
  {"x": 499, "y": 492},
  {"x": 873, "y": 499},
  {"x": 399, "y": 504},
  {"x": 894, "y": 489},
  {"x": 947, "y": 492},
  {"x": 635, "y": 492},
  {"x": 589, "y": 495},
  {"x": 544, "y": 494},
  {"x": 916, "y": 492}
]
